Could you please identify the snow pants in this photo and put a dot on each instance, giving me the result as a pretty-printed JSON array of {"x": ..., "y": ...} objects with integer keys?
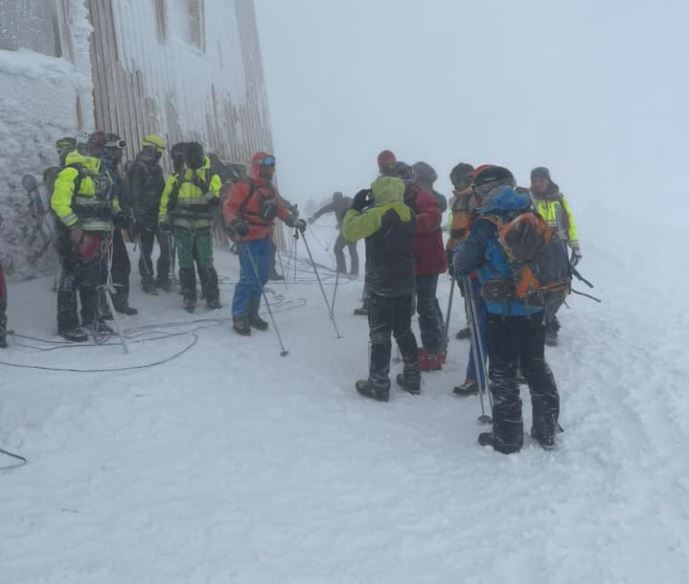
[
  {"x": 254, "y": 256},
  {"x": 121, "y": 268},
  {"x": 148, "y": 234},
  {"x": 338, "y": 249},
  {"x": 388, "y": 316},
  {"x": 196, "y": 245},
  {"x": 3, "y": 307},
  {"x": 513, "y": 340},
  {"x": 472, "y": 373},
  {"x": 430, "y": 315},
  {"x": 80, "y": 276}
]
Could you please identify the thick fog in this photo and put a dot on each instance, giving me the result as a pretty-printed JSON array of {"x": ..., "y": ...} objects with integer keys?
[{"x": 597, "y": 91}]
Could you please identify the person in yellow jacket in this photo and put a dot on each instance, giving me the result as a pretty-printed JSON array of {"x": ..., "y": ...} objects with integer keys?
[
  {"x": 85, "y": 203},
  {"x": 186, "y": 208},
  {"x": 552, "y": 205}
]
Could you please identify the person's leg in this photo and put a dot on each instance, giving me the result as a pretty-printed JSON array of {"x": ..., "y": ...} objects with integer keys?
[
  {"x": 545, "y": 399},
  {"x": 381, "y": 318},
  {"x": 426, "y": 305},
  {"x": 247, "y": 284},
  {"x": 338, "y": 249},
  {"x": 504, "y": 347},
  {"x": 185, "y": 257},
  {"x": 553, "y": 302},
  {"x": 406, "y": 341},
  {"x": 163, "y": 264},
  {"x": 262, "y": 252},
  {"x": 3, "y": 309},
  {"x": 146, "y": 238},
  {"x": 203, "y": 247},
  {"x": 354, "y": 259},
  {"x": 121, "y": 267}
]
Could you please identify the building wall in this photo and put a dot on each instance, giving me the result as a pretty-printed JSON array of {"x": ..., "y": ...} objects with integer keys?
[{"x": 185, "y": 69}]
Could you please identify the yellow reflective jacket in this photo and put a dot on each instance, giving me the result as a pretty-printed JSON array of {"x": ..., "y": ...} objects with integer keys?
[
  {"x": 189, "y": 197},
  {"x": 84, "y": 195},
  {"x": 554, "y": 208}
]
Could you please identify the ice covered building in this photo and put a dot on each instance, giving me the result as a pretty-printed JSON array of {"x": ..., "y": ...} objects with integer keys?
[{"x": 185, "y": 69}]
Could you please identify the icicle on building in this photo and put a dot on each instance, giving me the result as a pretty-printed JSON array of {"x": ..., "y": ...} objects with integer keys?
[{"x": 184, "y": 69}]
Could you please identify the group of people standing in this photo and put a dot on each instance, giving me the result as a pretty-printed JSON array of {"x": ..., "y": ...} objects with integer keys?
[{"x": 400, "y": 219}]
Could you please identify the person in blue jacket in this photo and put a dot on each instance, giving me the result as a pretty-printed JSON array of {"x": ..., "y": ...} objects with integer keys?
[{"x": 515, "y": 330}]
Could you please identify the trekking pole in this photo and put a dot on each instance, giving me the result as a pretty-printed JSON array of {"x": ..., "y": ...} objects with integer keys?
[
  {"x": 318, "y": 277},
  {"x": 22, "y": 461},
  {"x": 332, "y": 302},
  {"x": 283, "y": 352},
  {"x": 109, "y": 291},
  {"x": 477, "y": 353},
  {"x": 294, "y": 254}
]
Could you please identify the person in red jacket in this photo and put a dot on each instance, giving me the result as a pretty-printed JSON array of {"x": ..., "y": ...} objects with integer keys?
[
  {"x": 431, "y": 260},
  {"x": 249, "y": 212}
]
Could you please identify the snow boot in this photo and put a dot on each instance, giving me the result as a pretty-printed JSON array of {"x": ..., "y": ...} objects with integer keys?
[
  {"x": 469, "y": 387},
  {"x": 363, "y": 311},
  {"x": 149, "y": 287},
  {"x": 126, "y": 310},
  {"x": 546, "y": 442},
  {"x": 240, "y": 324},
  {"x": 276, "y": 277},
  {"x": 164, "y": 284},
  {"x": 187, "y": 278},
  {"x": 409, "y": 383},
  {"x": 488, "y": 439},
  {"x": 209, "y": 285},
  {"x": 75, "y": 335},
  {"x": 551, "y": 337},
  {"x": 464, "y": 334},
  {"x": 213, "y": 304},
  {"x": 367, "y": 389},
  {"x": 189, "y": 304},
  {"x": 254, "y": 319},
  {"x": 430, "y": 361}
]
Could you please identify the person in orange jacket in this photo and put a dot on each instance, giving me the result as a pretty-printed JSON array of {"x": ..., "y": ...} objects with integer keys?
[{"x": 249, "y": 212}]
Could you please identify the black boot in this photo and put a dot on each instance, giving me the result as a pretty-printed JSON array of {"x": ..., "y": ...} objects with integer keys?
[
  {"x": 254, "y": 319},
  {"x": 463, "y": 334},
  {"x": 187, "y": 278},
  {"x": 409, "y": 383},
  {"x": 126, "y": 309},
  {"x": 75, "y": 335},
  {"x": 469, "y": 387},
  {"x": 240, "y": 324},
  {"x": 149, "y": 287},
  {"x": 367, "y": 389},
  {"x": 212, "y": 292}
]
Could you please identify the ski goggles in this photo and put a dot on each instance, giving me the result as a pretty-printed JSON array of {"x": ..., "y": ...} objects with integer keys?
[
  {"x": 121, "y": 144},
  {"x": 268, "y": 161}
]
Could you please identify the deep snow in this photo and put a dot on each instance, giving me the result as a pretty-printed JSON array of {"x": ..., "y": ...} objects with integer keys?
[{"x": 232, "y": 464}]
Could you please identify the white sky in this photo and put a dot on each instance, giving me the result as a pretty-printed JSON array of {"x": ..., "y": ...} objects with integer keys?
[{"x": 596, "y": 90}]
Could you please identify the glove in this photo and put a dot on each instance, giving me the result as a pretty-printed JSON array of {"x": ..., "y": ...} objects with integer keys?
[
  {"x": 76, "y": 235},
  {"x": 239, "y": 227},
  {"x": 165, "y": 227},
  {"x": 576, "y": 256},
  {"x": 300, "y": 224},
  {"x": 361, "y": 200}
]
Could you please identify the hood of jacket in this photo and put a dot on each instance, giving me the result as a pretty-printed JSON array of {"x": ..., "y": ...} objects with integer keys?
[
  {"x": 505, "y": 201},
  {"x": 387, "y": 190},
  {"x": 88, "y": 162}
]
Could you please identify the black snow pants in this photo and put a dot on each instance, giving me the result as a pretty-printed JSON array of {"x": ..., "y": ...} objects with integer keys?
[
  {"x": 513, "y": 340},
  {"x": 338, "y": 249},
  {"x": 3, "y": 307},
  {"x": 388, "y": 316},
  {"x": 121, "y": 267},
  {"x": 430, "y": 315},
  {"x": 148, "y": 234}
]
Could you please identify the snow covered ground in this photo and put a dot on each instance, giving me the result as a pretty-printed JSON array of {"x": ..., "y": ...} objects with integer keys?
[{"x": 232, "y": 464}]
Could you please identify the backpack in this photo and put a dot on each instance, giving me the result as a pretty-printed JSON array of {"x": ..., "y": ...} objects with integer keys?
[{"x": 537, "y": 259}]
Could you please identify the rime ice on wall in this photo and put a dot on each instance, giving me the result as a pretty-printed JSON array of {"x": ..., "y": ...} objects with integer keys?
[
  {"x": 182, "y": 68},
  {"x": 187, "y": 69}
]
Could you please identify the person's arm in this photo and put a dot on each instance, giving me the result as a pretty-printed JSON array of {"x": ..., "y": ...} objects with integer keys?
[
  {"x": 61, "y": 198},
  {"x": 359, "y": 225},
  {"x": 238, "y": 194},
  {"x": 165, "y": 198},
  {"x": 572, "y": 234},
  {"x": 469, "y": 254},
  {"x": 329, "y": 208}
]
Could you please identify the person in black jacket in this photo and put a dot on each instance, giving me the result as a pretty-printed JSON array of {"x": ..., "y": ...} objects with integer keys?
[
  {"x": 388, "y": 227},
  {"x": 340, "y": 205},
  {"x": 145, "y": 184}
]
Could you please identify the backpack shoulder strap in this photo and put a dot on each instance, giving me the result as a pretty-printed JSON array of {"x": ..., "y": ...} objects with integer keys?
[{"x": 252, "y": 190}]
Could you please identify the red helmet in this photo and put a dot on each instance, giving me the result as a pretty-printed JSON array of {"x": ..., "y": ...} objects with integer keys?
[{"x": 259, "y": 160}]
